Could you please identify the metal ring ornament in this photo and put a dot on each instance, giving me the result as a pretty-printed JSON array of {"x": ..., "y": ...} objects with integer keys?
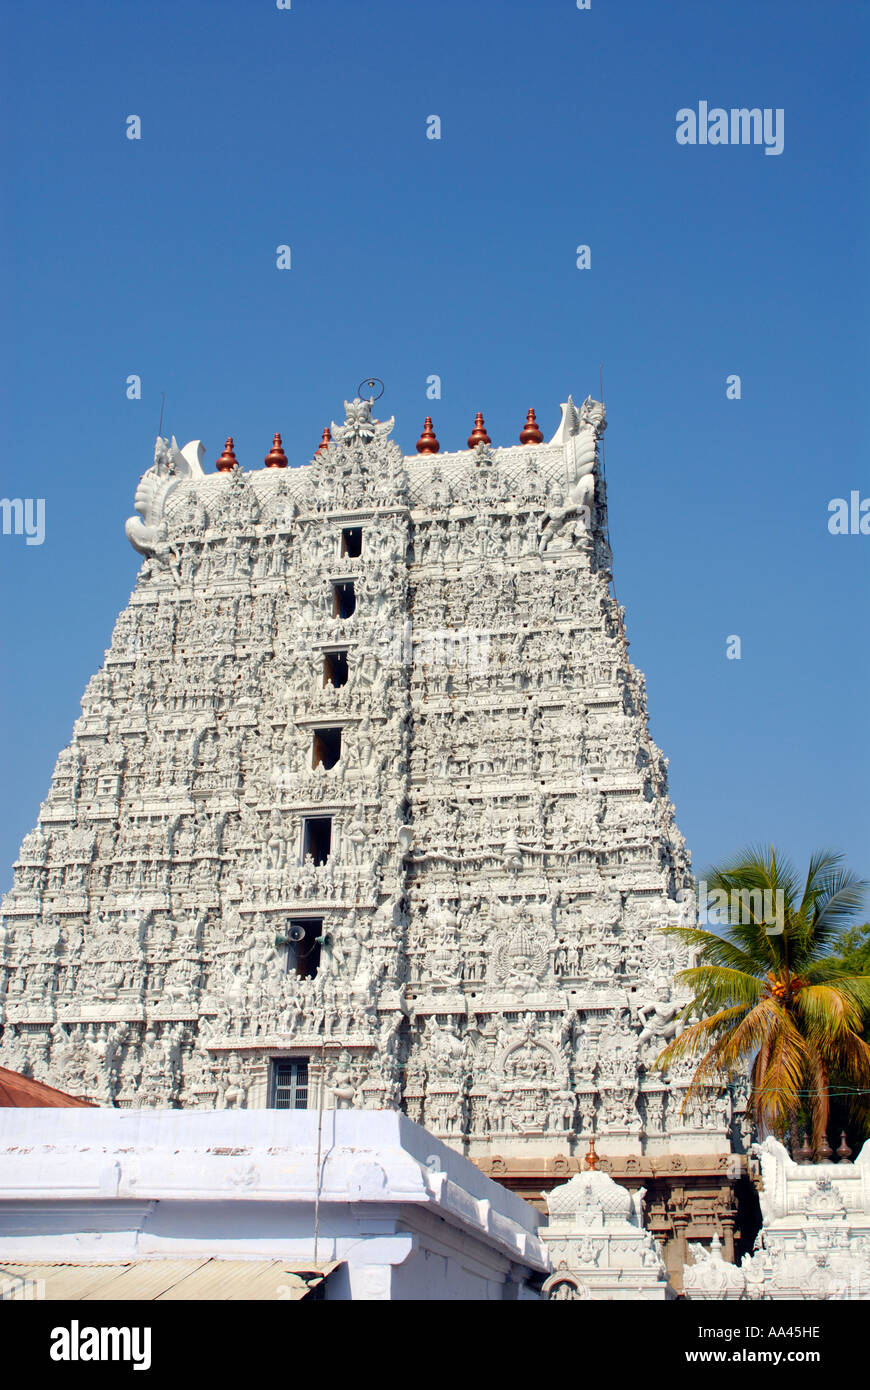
[{"x": 371, "y": 381}]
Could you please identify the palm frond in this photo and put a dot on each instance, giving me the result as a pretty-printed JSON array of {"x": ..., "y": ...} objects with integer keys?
[
  {"x": 827, "y": 1010},
  {"x": 714, "y": 985},
  {"x": 716, "y": 949},
  {"x": 841, "y": 896},
  {"x": 698, "y": 1035}
]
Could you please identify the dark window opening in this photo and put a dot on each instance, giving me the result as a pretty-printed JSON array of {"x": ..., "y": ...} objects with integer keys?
[
  {"x": 343, "y": 600},
  {"x": 302, "y": 942},
  {"x": 351, "y": 542},
  {"x": 327, "y": 748},
  {"x": 290, "y": 1083},
  {"x": 317, "y": 838},
  {"x": 335, "y": 668}
]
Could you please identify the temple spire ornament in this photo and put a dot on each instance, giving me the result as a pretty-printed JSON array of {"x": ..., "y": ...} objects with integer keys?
[
  {"x": 531, "y": 433},
  {"x": 227, "y": 461},
  {"x": 325, "y": 441},
  {"x": 427, "y": 443},
  {"x": 844, "y": 1153},
  {"x": 276, "y": 458},
  {"x": 478, "y": 434}
]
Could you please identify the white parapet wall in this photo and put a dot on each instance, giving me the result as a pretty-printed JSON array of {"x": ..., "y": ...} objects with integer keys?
[{"x": 408, "y": 1217}]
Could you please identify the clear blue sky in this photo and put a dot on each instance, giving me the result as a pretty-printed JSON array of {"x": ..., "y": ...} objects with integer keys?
[{"x": 413, "y": 256}]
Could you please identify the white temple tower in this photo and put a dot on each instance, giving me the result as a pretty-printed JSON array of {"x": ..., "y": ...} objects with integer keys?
[{"x": 362, "y": 810}]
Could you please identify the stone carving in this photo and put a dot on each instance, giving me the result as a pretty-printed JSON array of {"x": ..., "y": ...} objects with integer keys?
[
  {"x": 474, "y": 937},
  {"x": 520, "y": 956},
  {"x": 171, "y": 464},
  {"x": 658, "y": 1017},
  {"x": 562, "y": 1287},
  {"x": 710, "y": 1277},
  {"x": 358, "y": 424},
  {"x": 815, "y": 1240},
  {"x": 597, "y": 1243}
]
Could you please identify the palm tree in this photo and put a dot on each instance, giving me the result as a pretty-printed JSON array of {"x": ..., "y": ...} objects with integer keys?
[
  {"x": 778, "y": 1003},
  {"x": 851, "y": 1110}
]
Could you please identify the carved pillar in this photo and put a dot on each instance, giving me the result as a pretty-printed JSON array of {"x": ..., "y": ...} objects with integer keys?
[{"x": 681, "y": 1218}]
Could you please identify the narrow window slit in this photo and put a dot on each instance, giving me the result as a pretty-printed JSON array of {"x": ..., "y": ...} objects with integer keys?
[
  {"x": 317, "y": 838},
  {"x": 343, "y": 599},
  {"x": 335, "y": 668},
  {"x": 326, "y": 749}
]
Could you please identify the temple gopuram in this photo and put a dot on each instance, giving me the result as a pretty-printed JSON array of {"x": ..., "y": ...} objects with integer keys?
[{"x": 362, "y": 811}]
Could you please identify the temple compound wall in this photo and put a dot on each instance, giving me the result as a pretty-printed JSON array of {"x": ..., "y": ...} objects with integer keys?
[{"x": 362, "y": 810}]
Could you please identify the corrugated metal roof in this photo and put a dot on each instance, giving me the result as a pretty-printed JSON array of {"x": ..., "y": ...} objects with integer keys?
[
  {"x": 60, "y": 1281},
  {"x": 145, "y": 1280},
  {"x": 153, "y": 1280}
]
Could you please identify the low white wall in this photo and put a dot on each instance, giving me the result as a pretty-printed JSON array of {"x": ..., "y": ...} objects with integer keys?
[{"x": 411, "y": 1218}]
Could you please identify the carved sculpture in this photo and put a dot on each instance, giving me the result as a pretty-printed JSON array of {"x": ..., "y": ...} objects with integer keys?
[
  {"x": 598, "y": 1245},
  {"x": 815, "y": 1240},
  {"x": 171, "y": 464},
  {"x": 658, "y": 1018}
]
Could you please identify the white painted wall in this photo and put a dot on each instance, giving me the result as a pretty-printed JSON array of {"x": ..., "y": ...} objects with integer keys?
[{"x": 412, "y": 1219}]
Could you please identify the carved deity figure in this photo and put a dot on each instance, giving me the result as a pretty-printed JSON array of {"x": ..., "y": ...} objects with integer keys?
[
  {"x": 276, "y": 841},
  {"x": 657, "y": 1018}
]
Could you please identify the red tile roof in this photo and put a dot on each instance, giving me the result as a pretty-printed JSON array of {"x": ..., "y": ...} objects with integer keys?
[{"x": 20, "y": 1091}]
